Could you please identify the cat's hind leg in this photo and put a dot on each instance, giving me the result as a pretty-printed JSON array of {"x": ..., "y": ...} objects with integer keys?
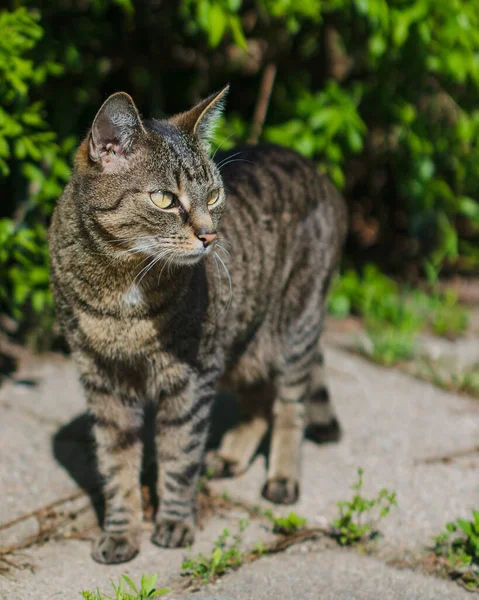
[
  {"x": 282, "y": 484},
  {"x": 240, "y": 444},
  {"x": 322, "y": 423},
  {"x": 298, "y": 347}
]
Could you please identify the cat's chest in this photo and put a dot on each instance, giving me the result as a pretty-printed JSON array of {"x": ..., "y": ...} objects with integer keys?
[
  {"x": 119, "y": 335},
  {"x": 134, "y": 296}
]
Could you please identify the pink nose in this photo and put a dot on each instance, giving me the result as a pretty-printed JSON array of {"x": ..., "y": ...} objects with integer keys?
[{"x": 207, "y": 238}]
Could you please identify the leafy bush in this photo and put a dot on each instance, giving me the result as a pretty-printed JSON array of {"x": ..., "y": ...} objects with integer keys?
[
  {"x": 28, "y": 146},
  {"x": 325, "y": 124},
  {"x": 381, "y": 95}
]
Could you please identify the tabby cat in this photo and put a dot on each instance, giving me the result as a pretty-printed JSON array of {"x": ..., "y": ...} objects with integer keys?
[{"x": 175, "y": 273}]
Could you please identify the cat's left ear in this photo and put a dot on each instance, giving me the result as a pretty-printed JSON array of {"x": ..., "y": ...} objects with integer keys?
[{"x": 201, "y": 120}]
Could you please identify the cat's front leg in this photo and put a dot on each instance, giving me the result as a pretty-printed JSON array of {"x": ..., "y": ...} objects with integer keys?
[
  {"x": 182, "y": 428},
  {"x": 117, "y": 430}
]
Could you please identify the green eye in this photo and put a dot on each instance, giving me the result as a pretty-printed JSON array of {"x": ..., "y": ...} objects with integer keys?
[
  {"x": 213, "y": 197},
  {"x": 163, "y": 199}
]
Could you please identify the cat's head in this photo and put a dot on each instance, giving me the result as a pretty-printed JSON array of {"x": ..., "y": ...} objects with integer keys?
[{"x": 150, "y": 188}]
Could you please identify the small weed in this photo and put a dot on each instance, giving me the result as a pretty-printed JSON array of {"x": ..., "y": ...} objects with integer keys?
[
  {"x": 461, "y": 380},
  {"x": 353, "y": 293},
  {"x": 394, "y": 315},
  {"x": 448, "y": 318},
  {"x": 259, "y": 549},
  {"x": 286, "y": 525},
  {"x": 355, "y": 517},
  {"x": 459, "y": 545},
  {"x": 226, "y": 555},
  {"x": 388, "y": 346},
  {"x": 144, "y": 592}
]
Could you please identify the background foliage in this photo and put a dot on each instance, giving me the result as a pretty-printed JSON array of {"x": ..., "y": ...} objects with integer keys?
[{"x": 382, "y": 95}]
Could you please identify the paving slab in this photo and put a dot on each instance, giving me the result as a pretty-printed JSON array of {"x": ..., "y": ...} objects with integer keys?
[
  {"x": 330, "y": 575},
  {"x": 392, "y": 424},
  {"x": 61, "y": 569},
  {"x": 30, "y": 477}
]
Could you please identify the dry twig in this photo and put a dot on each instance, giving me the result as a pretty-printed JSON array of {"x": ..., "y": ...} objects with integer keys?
[{"x": 262, "y": 103}]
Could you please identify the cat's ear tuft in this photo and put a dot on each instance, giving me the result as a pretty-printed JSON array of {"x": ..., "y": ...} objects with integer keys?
[
  {"x": 115, "y": 130},
  {"x": 202, "y": 119}
]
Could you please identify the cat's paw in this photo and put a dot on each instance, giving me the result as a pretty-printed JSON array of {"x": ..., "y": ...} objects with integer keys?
[
  {"x": 111, "y": 548},
  {"x": 173, "y": 534},
  {"x": 216, "y": 466},
  {"x": 322, "y": 433},
  {"x": 281, "y": 490}
]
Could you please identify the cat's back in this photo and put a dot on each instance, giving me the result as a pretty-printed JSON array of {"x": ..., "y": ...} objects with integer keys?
[{"x": 270, "y": 187}]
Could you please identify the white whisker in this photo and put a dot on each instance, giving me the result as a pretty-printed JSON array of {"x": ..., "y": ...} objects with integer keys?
[
  {"x": 163, "y": 267},
  {"x": 149, "y": 266},
  {"x": 226, "y": 158},
  {"x": 218, "y": 245},
  {"x": 227, "y": 305},
  {"x": 132, "y": 251},
  {"x": 226, "y": 138},
  {"x": 235, "y": 160},
  {"x": 136, "y": 237},
  {"x": 224, "y": 241},
  {"x": 219, "y": 283}
]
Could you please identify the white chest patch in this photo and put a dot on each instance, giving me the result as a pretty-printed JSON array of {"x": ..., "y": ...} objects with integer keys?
[{"x": 132, "y": 297}]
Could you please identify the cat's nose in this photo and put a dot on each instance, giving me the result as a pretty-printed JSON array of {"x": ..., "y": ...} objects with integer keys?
[{"x": 207, "y": 238}]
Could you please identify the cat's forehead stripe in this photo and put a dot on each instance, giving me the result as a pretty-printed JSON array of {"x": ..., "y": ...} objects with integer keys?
[{"x": 186, "y": 160}]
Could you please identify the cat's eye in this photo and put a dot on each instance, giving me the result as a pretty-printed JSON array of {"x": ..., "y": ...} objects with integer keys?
[
  {"x": 163, "y": 199},
  {"x": 213, "y": 197}
]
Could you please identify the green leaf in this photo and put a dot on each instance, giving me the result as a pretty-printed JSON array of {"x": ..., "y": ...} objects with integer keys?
[
  {"x": 237, "y": 32},
  {"x": 469, "y": 207},
  {"x": 216, "y": 558},
  {"x": 466, "y": 526},
  {"x": 130, "y": 583},
  {"x": 234, "y": 5},
  {"x": 217, "y": 25},
  {"x": 377, "y": 45},
  {"x": 148, "y": 583}
]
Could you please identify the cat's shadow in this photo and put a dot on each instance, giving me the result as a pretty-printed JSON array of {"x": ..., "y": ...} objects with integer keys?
[{"x": 73, "y": 447}]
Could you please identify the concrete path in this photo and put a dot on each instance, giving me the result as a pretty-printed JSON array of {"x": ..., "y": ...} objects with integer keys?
[
  {"x": 394, "y": 428},
  {"x": 331, "y": 575}
]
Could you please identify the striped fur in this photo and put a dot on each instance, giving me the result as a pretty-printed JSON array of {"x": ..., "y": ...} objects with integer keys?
[{"x": 154, "y": 316}]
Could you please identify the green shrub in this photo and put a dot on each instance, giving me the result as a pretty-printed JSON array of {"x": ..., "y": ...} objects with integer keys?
[
  {"x": 29, "y": 146},
  {"x": 381, "y": 95}
]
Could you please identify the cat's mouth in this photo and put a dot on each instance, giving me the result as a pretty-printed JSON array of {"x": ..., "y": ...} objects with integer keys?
[
  {"x": 190, "y": 257},
  {"x": 174, "y": 254}
]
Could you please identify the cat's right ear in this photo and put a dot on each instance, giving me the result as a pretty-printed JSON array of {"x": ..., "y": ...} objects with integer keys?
[{"x": 115, "y": 130}]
